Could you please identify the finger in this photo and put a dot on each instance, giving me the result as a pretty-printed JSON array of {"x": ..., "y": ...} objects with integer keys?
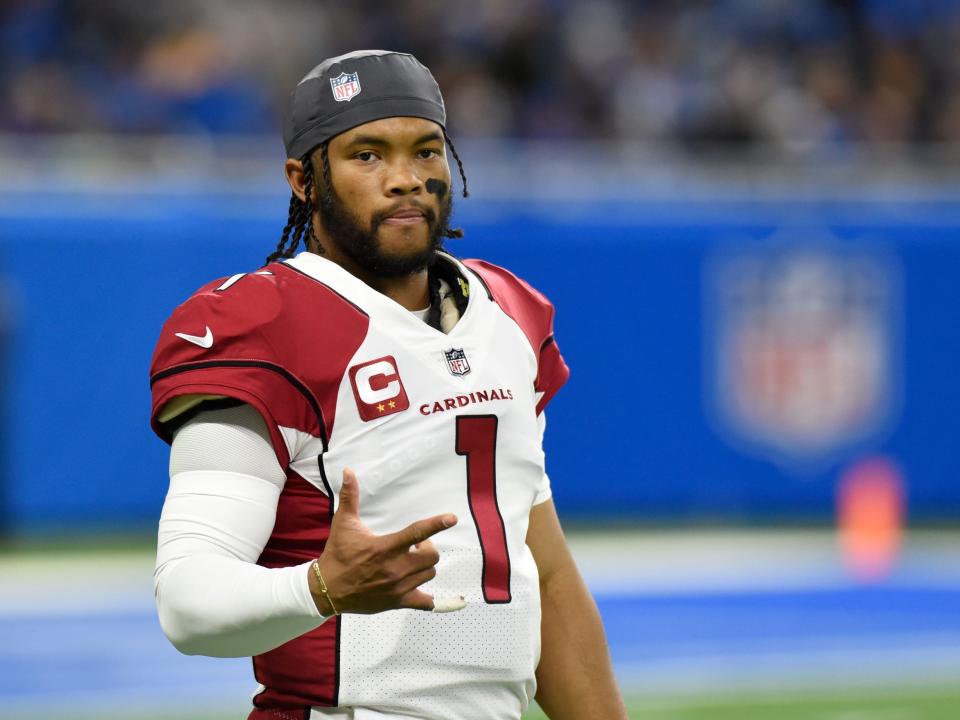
[
  {"x": 419, "y": 600},
  {"x": 408, "y": 565},
  {"x": 417, "y": 532},
  {"x": 416, "y": 600},
  {"x": 426, "y": 552},
  {"x": 349, "y": 494},
  {"x": 415, "y": 580}
]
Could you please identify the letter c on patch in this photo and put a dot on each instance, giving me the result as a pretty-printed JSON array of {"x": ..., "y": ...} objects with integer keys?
[
  {"x": 378, "y": 389},
  {"x": 378, "y": 381}
]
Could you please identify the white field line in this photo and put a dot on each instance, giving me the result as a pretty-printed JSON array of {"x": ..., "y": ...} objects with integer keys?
[
  {"x": 628, "y": 563},
  {"x": 763, "y": 561}
]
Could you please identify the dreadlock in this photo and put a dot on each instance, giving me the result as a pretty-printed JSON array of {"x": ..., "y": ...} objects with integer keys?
[
  {"x": 455, "y": 233},
  {"x": 463, "y": 175},
  {"x": 326, "y": 197},
  {"x": 300, "y": 213}
]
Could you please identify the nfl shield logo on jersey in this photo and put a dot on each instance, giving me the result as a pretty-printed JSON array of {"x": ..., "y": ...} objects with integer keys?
[
  {"x": 345, "y": 86},
  {"x": 457, "y": 361}
]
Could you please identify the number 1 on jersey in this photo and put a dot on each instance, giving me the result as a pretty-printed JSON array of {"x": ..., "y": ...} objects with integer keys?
[{"x": 477, "y": 440}]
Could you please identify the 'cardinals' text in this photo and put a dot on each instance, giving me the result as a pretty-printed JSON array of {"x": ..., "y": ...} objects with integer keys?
[{"x": 459, "y": 401}]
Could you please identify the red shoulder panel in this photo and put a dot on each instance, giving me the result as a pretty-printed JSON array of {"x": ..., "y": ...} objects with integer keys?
[
  {"x": 275, "y": 339},
  {"x": 534, "y": 314}
]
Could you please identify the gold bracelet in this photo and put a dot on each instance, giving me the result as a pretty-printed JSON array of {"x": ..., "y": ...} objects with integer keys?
[{"x": 323, "y": 586}]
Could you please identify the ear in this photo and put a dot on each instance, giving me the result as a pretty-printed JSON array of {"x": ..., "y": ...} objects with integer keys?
[{"x": 294, "y": 172}]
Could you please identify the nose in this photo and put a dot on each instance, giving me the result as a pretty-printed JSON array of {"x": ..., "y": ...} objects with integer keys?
[{"x": 403, "y": 179}]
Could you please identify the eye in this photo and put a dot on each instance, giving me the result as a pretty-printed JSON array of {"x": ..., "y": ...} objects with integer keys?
[
  {"x": 428, "y": 154},
  {"x": 365, "y": 156}
]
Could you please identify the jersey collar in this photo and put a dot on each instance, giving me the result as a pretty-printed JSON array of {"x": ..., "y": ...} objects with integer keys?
[{"x": 462, "y": 284}]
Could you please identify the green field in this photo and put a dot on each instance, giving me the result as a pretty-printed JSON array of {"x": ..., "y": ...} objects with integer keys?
[
  {"x": 939, "y": 703},
  {"x": 934, "y": 703}
]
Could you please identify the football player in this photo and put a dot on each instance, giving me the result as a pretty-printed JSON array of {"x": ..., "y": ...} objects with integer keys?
[{"x": 357, "y": 490}]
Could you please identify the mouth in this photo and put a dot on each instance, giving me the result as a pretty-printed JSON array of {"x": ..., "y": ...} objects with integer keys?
[{"x": 405, "y": 216}]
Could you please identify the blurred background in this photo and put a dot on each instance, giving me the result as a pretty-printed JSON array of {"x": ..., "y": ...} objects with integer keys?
[{"x": 746, "y": 214}]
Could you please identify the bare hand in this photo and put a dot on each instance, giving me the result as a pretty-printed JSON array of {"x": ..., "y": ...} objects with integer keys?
[{"x": 367, "y": 573}]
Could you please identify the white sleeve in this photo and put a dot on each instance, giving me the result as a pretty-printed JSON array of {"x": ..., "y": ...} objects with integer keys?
[
  {"x": 212, "y": 597},
  {"x": 544, "y": 492}
]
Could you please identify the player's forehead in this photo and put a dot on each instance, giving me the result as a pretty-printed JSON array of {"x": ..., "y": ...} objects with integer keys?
[{"x": 392, "y": 131}]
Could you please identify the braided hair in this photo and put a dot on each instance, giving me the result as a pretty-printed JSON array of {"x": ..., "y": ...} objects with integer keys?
[
  {"x": 455, "y": 233},
  {"x": 463, "y": 175},
  {"x": 300, "y": 212}
]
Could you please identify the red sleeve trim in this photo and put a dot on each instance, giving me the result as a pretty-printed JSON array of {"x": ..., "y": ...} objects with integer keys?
[
  {"x": 250, "y": 381},
  {"x": 552, "y": 372}
]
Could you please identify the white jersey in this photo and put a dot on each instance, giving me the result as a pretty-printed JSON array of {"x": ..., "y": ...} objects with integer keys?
[{"x": 431, "y": 423}]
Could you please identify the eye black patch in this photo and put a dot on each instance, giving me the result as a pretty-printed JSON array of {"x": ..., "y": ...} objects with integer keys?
[{"x": 437, "y": 187}]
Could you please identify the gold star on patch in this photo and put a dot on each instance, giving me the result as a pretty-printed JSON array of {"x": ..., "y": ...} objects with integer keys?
[
  {"x": 380, "y": 407},
  {"x": 392, "y": 404},
  {"x": 464, "y": 288}
]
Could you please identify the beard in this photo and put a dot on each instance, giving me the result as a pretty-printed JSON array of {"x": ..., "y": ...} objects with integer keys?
[{"x": 361, "y": 244}]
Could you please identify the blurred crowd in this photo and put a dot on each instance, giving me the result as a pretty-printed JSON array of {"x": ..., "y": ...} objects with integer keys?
[{"x": 804, "y": 75}]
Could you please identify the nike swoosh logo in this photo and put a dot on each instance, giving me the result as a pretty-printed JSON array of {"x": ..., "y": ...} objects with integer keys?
[{"x": 204, "y": 341}]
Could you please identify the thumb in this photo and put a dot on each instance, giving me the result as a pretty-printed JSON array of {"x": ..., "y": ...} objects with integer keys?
[{"x": 349, "y": 494}]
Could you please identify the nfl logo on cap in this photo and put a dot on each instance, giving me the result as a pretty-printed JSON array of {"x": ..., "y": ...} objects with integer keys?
[
  {"x": 457, "y": 361},
  {"x": 345, "y": 86}
]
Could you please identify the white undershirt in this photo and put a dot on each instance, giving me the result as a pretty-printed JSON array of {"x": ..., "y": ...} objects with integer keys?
[{"x": 212, "y": 597}]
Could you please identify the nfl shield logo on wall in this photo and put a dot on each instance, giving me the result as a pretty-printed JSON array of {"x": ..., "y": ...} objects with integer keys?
[
  {"x": 803, "y": 353},
  {"x": 457, "y": 361},
  {"x": 345, "y": 86}
]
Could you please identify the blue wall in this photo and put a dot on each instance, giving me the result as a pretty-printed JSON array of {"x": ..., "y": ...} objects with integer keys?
[{"x": 92, "y": 278}]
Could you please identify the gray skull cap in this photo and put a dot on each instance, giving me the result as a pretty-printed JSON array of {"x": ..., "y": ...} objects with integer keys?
[{"x": 362, "y": 86}]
